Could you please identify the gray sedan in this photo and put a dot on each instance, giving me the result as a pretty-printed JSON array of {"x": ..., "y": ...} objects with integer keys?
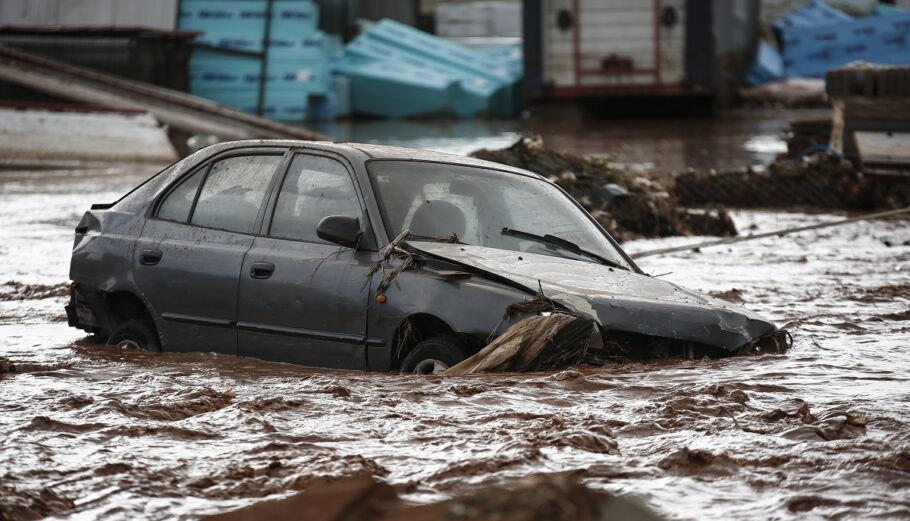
[{"x": 283, "y": 250}]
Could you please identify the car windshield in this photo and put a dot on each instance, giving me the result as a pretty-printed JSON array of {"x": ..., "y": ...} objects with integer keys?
[{"x": 486, "y": 208}]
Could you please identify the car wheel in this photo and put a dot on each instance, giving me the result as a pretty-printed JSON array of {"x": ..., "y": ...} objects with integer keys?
[
  {"x": 135, "y": 334},
  {"x": 435, "y": 355}
]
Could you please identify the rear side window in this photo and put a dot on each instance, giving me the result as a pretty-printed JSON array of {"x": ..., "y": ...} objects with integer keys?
[
  {"x": 177, "y": 205},
  {"x": 233, "y": 191},
  {"x": 315, "y": 187}
]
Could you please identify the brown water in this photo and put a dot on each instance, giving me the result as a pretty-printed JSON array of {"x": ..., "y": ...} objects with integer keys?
[{"x": 822, "y": 432}]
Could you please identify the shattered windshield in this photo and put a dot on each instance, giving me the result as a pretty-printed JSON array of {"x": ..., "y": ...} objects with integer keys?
[{"x": 476, "y": 204}]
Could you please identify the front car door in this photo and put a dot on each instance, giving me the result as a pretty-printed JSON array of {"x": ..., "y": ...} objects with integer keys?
[
  {"x": 189, "y": 255},
  {"x": 302, "y": 299}
]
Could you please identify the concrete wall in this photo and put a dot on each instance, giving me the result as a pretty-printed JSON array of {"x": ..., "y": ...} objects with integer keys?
[
  {"x": 48, "y": 136},
  {"x": 159, "y": 14}
]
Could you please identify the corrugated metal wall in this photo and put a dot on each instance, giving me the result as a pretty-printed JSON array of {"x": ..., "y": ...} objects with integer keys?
[
  {"x": 158, "y": 14},
  {"x": 619, "y": 30},
  {"x": 609, "y": 47}
]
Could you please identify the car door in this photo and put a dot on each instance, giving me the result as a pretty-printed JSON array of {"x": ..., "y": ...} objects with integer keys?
[
  {"x": 302, "y": 299},
  {"x": 190, "y": 252}
]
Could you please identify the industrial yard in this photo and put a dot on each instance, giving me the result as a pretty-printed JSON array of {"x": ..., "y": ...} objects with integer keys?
[{"x": 751, "y": 177}]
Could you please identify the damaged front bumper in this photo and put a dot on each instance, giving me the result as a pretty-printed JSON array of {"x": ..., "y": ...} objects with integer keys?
[
  {"x": 79, "y": 312},
  {"x": 776, "y": 342}
]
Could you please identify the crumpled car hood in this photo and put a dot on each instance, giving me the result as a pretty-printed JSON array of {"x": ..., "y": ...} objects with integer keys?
[{"x": 619, "y": 300}]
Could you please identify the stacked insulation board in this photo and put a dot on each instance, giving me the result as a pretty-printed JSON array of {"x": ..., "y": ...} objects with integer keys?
[
  {"x": 811, "y": 51},
  {"x": 238, "y": 37},
  {"x": 393, "y": 70},
  {"x": 816, "y": 37}
]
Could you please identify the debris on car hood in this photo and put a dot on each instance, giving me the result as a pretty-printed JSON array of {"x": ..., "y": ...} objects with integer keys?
[
  {"x": 619, "y": 300},
  {"x": 397, "y": 249},
  {"x": 389, "y": 272}
]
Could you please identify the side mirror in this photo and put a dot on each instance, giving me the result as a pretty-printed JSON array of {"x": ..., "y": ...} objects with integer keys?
[{"x": 340, "y": 229}]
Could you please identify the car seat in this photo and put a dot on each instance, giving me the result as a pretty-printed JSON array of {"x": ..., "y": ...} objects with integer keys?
[{"x": 438, "y": 219}]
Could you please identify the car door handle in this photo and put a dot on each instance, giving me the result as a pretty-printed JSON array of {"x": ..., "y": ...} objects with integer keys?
[
  {"x": 150, "y": 257},
  {"x": 262, "y": 270}
]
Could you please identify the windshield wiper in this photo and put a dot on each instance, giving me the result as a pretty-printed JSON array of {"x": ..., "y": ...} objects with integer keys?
[{"x": 564, "y": 244}]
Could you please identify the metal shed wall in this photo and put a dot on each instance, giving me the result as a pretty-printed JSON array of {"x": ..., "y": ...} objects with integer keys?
[
  {"x": 158, "y": 14},
  {"x": 625, "y": 29}
]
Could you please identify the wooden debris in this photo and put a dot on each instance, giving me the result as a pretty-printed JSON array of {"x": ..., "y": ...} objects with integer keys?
[
  {"x": 544, "y": 497},
  {"x": 537, "y": 343},
  {"x": 629, "y": 206}
]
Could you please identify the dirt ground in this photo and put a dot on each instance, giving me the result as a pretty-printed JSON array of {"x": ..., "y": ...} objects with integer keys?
[{"x": 823, "y": 431}]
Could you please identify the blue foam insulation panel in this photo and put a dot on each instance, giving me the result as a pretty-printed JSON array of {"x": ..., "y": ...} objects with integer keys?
[
  {"x": 810, "y": 51},
  {"x": 297, "y": 55},
  {"x": 817, "y": 37},
  {"x": 439, "y": 76},
  {"x": 394, "y": 89},
  {"x": 768, "y": 65}
]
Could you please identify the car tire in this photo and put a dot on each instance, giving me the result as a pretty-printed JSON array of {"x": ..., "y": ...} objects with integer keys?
[
  {"x": 137, "y": 334},
  {"x": 434, "y": 355}
]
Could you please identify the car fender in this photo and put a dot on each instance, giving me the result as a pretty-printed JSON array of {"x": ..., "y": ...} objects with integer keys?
[{"x": 469, "y": 303}]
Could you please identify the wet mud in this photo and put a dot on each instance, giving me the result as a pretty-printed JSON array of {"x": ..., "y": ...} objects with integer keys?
[
  {"x": 543, "y": 497},
  {"x": 822, "y": 431},
  {"x": 14, "y": 290}
]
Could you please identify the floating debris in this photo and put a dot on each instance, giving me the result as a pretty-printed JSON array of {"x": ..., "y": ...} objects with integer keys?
[
  {"x": 553, "y": 497},
  {"x": 627, "y": 205}
]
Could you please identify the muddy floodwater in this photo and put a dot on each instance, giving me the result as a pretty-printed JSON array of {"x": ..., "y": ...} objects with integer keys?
[
  {"x": 658, "y": 145},
  {"x": 821, "y": 432}
]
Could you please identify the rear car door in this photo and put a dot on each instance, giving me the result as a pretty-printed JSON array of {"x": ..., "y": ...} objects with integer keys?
[
  {"x": 302, "y": 299},
  {"x": 189, "y": 255}
]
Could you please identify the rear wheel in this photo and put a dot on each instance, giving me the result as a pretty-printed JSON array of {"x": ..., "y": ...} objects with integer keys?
[
  {"x": 435, "y": 355},
  {"x": 135, "y": 334}
]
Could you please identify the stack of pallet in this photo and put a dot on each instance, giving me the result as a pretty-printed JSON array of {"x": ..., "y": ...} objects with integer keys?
[
  {"x": 262, "y": 57},
  {"x": 871, "y": 121},
  {"x": 816, "y": 37},
  {"x": 397, "y": 71}
]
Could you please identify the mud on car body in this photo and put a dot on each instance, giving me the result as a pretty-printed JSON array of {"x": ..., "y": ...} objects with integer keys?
[{"x": 279, "y": 250}]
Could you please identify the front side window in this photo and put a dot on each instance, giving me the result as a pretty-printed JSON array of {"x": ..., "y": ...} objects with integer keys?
[
  {"x": 233, "y": 192},
  {"x": 482, "y": 206},
  {"x": 315, "y": 187}
]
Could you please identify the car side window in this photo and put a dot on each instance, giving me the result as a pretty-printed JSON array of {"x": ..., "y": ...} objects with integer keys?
[
  {"x": 314, "y": 187},
  {"x": 233, "y": 191},
  {"x": 177, "y": 205}
]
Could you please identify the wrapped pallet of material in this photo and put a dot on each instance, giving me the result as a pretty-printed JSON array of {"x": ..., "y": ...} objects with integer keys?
[
  {"x": 239, "y": 36},
  {"x": 393, "y": 89},
  {"x": 810, "y": 51},
  {"x": 481, "y": 85}
]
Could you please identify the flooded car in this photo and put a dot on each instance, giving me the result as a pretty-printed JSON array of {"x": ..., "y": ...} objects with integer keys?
[{"x": 359, "y": 256}]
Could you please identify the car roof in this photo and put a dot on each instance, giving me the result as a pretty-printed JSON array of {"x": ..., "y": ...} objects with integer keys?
[{"x": 373, "y": 151}]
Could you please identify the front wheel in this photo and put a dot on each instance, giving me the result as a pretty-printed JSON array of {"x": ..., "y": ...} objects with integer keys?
[
  {"x": 135, "y": 334},
  {"x": 435, "y": 355}
]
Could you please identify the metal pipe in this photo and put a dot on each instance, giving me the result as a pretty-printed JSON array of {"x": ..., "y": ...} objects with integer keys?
[
  {"x": 576, "y": 40},
  {"x": 776, "y": 233},
  {"x": 657, "y": 76},
  {"x": 173, "y": 107}
]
